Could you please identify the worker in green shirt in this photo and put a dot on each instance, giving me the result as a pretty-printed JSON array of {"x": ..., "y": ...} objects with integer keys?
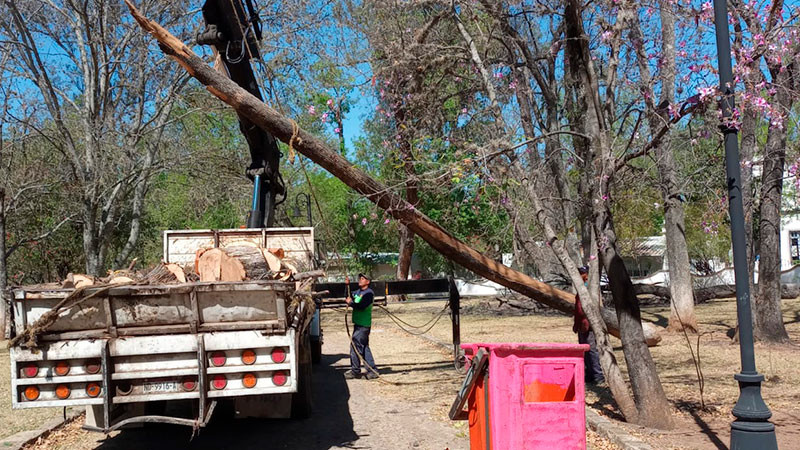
[{"x": 361, "y": 301}]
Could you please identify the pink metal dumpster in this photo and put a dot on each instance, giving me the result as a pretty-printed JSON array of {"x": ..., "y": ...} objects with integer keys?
[{"x": 535, "y": 397}]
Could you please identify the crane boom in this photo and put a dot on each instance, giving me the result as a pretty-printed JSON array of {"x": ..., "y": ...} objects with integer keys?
[{"x": 234, "y": 33}]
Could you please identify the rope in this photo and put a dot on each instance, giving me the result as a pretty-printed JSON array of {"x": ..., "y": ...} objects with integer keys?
[
  {"x": 295, "y": 132},
  {"x": 432, "y": 322},
  {"x": 361, "y": 358}
]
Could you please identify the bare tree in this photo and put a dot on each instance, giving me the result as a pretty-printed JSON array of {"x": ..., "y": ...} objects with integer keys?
[
  {"x": 651, "y": 402},
  {"x": 105, "y": 113},
  {"x": 658, "y": 115},
  {"x": 782, "y": 81}
]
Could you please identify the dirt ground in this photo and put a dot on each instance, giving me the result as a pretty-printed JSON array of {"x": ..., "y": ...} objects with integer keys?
[
  {"x": 409, "y": 408},
  {"x": 486, "y": 320}
]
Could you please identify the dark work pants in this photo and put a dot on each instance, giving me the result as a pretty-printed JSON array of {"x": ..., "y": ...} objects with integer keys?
[
  {"x": 361, "y": 344},
  {"x": 591, "y": 359}
]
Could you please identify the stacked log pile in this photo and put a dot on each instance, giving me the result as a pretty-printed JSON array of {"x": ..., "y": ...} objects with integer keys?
[{"x": 235, "y": 263}]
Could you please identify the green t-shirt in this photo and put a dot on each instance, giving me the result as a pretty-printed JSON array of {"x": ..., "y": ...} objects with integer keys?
[{"x": 362, "y": 307}]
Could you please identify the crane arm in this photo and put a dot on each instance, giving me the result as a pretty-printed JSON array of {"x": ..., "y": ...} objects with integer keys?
[{"x": 234, "y": 33}]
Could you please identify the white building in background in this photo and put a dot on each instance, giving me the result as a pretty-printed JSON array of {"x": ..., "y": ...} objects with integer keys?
[
  {"x": 790, "y": 240},
  {"x": 790, "y": 223}
]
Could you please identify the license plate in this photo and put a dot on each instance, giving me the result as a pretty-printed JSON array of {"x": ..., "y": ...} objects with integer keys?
[{"x": 154, "y": 387}]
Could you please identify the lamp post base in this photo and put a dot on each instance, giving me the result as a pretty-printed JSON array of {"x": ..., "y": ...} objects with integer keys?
[
  {"x": 752, "y": 430},
  {"x": 753, "y": 436}
]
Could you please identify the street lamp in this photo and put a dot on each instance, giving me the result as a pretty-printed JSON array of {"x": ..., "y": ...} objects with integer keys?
[
  {"x": 751, "y": 429},
  {"x": 302, "y": 199}
]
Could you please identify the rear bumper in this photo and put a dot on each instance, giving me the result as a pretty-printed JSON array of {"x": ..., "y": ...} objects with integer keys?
[{"x": 201, "y": 367}]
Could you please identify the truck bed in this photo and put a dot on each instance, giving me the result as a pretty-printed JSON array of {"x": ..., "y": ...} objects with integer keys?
[{"x": 135, "y": 310}]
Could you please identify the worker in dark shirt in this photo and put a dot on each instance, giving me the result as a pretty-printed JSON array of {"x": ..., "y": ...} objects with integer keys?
[
  {"x": 593, "y": 373},
  {"x": 361, "y": 301}
]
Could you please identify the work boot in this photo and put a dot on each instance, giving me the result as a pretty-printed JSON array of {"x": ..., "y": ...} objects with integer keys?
[
  {"x": 350, "y": 375},
  {"x": 371, "y": 375}
]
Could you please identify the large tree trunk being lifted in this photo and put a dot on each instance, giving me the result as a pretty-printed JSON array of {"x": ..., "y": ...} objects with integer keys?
[{"x": 316, "y": 150}]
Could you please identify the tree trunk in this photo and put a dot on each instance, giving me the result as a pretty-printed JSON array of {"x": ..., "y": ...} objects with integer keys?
[
  {"x": 651, "y": 402},
  {"x": 591, "y": 305},
  {"x": 680, "y": 279},
  {"x": 91, "y": 246},
  {"x": 767, "y": 306},
  {"x": 406, "y": 251},
  {"x": 5, "y": 304},
  {"x": 406, "y": 237}
]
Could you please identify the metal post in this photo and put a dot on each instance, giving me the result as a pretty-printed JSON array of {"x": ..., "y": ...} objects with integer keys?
[
  {"x": 455, "y": 315},
  {"x": 751, "y": 429},
  {"x": 256, "y": 217},
  {"x": 304, "y": 199}
]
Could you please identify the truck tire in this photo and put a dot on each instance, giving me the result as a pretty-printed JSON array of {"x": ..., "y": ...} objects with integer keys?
[{"x": 316, "y": 351}]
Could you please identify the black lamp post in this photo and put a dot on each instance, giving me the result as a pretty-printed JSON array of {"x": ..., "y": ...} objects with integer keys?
[
  {"x": 751, "y": 429},
  {"x": 302, "y": 199}
]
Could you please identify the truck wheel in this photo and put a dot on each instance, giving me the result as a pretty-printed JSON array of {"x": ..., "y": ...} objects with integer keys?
[
  {"x": 303, "y": 400},
  {"x": 316, "y": 351}
]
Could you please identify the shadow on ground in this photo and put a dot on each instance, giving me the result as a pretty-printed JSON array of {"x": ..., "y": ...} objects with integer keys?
[{"x": 331, "y": 425}]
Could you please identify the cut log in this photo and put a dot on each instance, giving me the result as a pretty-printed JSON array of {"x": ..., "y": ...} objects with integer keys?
[
  {"x": 180, "y": 275},
  {"x": 312, "y": 274},
  {"x": 215, "y": 265},
  {"x": 164, "y": 274},
  {"x": 318, "y": 151},
  {"x": 277, "y": 252},
  {"x": 197, "y": 255},
  {"x": 120, "y": 280},
  {"x": 254, "y": 260},
  {"x": 77, "y": 281},
  {"x": 272, "y": 259}
]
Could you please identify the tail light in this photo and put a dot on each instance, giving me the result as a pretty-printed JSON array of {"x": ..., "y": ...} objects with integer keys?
[
  {"x": 218, "y": 359},
  {"x": 62, "y": 368},
  {"x": 62, "y": 391},
  {"x": 93, "y": 390},
  {"x": 249, "y": 380},
  {"x": 219, "y": 382},
  {"x": 248, "y": 357},
  {"x": 188, "y": 384},
  {"x": 92, "y": 366},
  {"x": 31, "y": 393},
  {"x": 278, "y": 355},
  {"x": 30, "y": 370},
  {"x": 279, "y": 378}
]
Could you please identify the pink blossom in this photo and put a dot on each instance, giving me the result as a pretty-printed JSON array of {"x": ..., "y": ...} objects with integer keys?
[
  {"x": 337, "y": 130},
  {"x": 330, "y": 103},
  {"x": 364, "y": 221},
  {"x": 312, "y": 110},
  {"x": 386, "y": 222}
]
